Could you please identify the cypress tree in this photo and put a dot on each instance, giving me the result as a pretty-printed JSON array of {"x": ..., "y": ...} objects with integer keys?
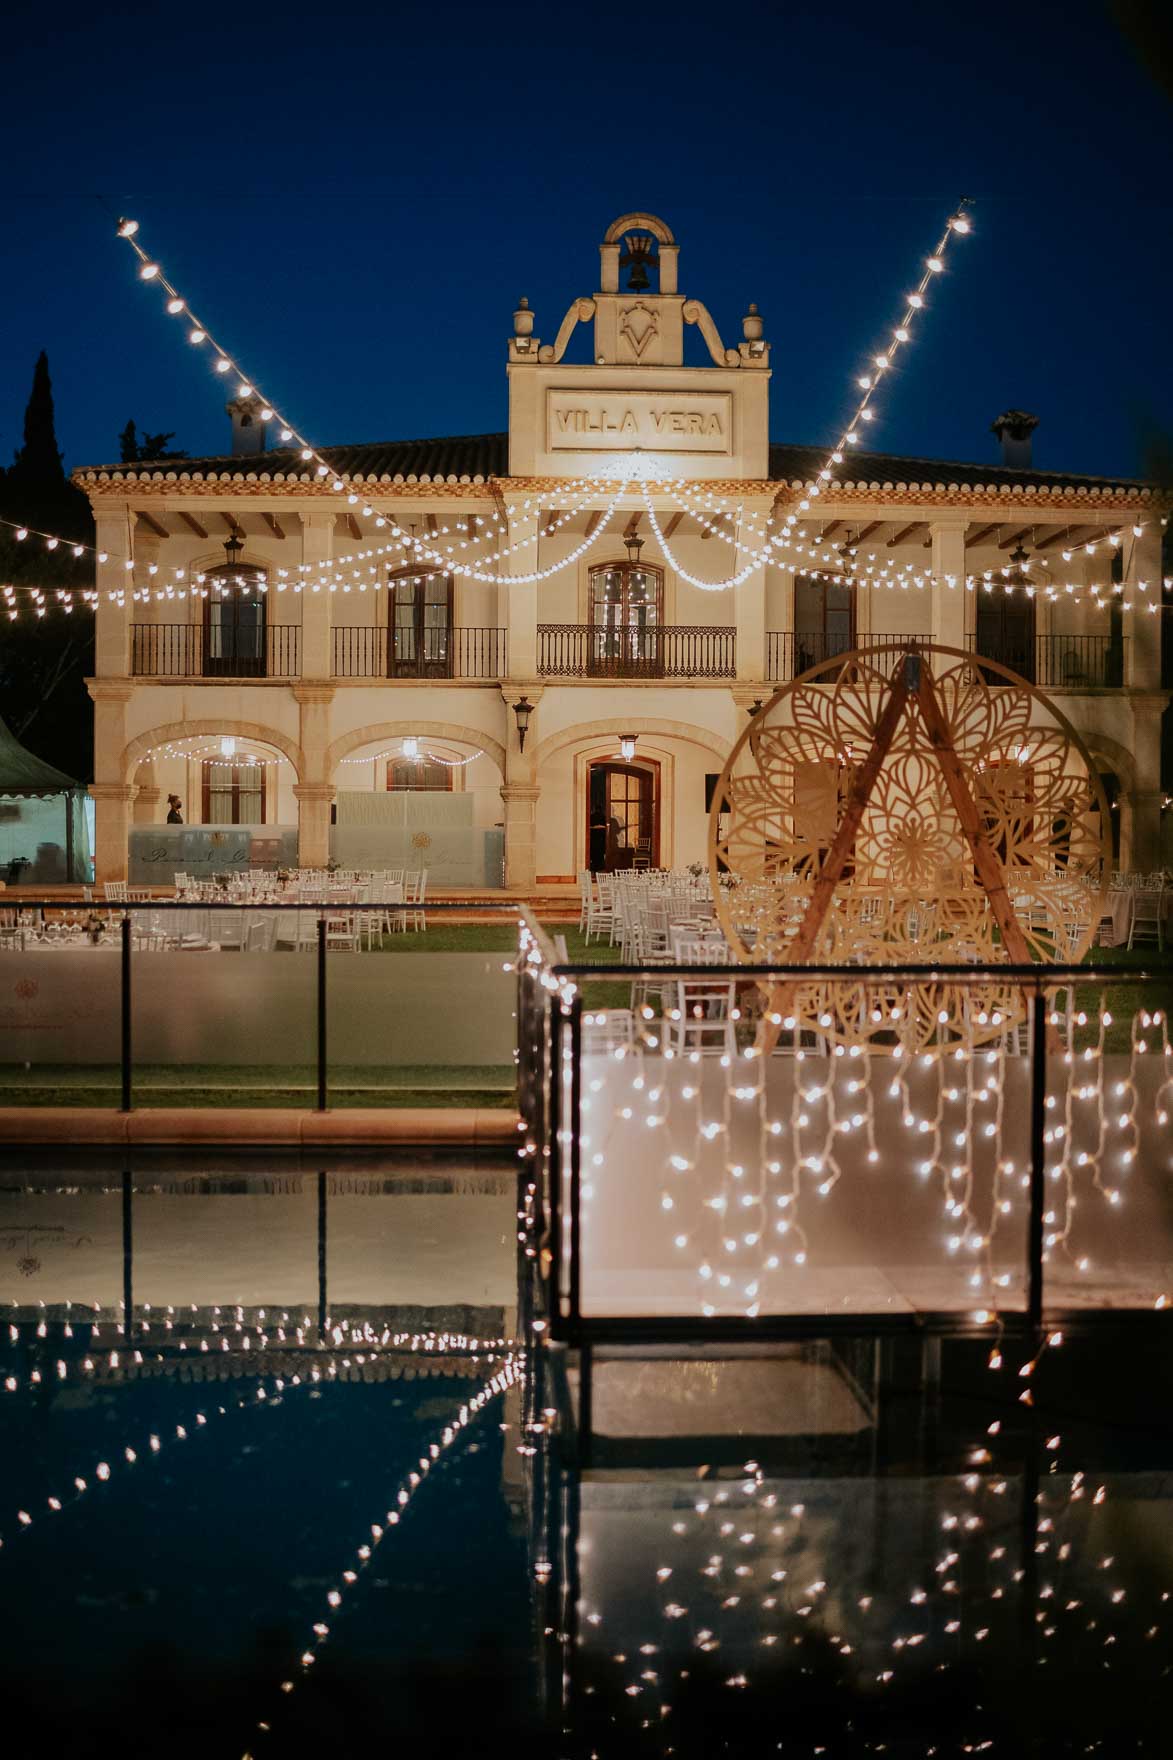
[{"x": 38, "y": 463}]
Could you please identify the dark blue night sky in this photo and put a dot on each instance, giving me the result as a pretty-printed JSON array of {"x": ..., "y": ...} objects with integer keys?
[{"x": 354, "y": 199}]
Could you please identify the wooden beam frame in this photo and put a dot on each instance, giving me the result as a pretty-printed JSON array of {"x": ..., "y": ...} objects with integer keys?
[
  {"x": 981, "y": 534},
  {"x": 911, "y": 675},
  {"x": 1015, "y": 538},
  {"x": 271, "y": 521},
  {"x": 593, "y": 521},
  {"x": 899, "y": 537},
  {"x": 153, "y": 525},
  {"x": 672, "y": 525},
  {"x": 193, "y": 525},
  {"x": 802, "y": 942}
]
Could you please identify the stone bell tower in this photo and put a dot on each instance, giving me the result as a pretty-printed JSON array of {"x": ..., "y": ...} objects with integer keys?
[{"x": 637, "y": 395}]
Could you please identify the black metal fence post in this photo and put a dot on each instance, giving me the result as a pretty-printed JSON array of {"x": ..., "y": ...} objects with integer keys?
[
  {"x": 572, "y": 1127},
  {"x": 322, "y": 1096},
  {"x": 128, "y": 1254},
  {"x": 126, "y": 1046},
  {"x": 322, "y": 1283},
  {"x": 1038, "y": 1157}
]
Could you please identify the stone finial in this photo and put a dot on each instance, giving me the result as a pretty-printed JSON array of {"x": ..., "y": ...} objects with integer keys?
[
  {"x": 751, "y": 324},
  {"x": 523, "y": 318}
]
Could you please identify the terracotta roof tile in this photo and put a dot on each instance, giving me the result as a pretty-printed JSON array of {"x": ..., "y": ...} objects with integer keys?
[{"x": 469, "y": 457}]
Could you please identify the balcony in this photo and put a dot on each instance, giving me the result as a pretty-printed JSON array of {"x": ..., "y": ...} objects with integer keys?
[
  {"x": 581, "y": 650},
  {"x": 791, "y": 652},
  {"x": 1070, "y": 663},
  {"x": 363, "y": 651},
  {"x": 183, "y": 650}
]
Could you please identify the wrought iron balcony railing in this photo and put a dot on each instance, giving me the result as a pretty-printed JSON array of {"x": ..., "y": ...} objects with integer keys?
[
  {"x": 374, "y": 651},
  {"x": 188, "y": 650},
  {"x": 791, "y": 652},
  {"x": 1056, "y": 662},
  {"x": 583, "y": 650}
]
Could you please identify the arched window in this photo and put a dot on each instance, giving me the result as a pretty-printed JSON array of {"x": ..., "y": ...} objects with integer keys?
[
  {"x": 420, "y": 641},
  {"x": 418, "y": 773},
  {"x": 626, "y": 614},
  {"x": 234, "y": 618}
]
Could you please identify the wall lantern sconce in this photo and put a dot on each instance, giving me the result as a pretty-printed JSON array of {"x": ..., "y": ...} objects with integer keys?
[
  {"x": 755, "y": 708},
  {"x": 522, "y": 709},
  {"x": 634, "y": 545},
  {"x": 627, "y": 746},
  {"x": 411, "y": 747}
]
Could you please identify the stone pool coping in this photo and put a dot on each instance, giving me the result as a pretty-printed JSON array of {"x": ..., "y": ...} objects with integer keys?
[{"x": 473, "y": 1126}]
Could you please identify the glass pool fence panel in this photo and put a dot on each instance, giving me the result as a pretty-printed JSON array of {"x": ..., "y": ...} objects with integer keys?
[
  {"x": 926, "y": 1164},
  {"x": 223, "y": 1006},
  {"x": 59, "y": 1005},
  {"x": 162, "y": 1002}
]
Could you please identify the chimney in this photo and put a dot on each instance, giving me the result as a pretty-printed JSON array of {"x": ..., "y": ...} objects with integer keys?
[
  {"x": 248, "y": 430},
  {"x": 1014, "y": 428}
]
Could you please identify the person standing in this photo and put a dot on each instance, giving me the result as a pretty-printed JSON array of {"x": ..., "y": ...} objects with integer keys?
[{"x": 174, "y": 810}]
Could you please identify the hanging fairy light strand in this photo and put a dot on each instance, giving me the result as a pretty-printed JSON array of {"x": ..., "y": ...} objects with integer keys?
[{"x": 246, "y": 387}]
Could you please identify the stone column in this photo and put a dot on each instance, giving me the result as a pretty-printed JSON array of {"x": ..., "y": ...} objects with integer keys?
[
  {"x": 147, "y": 794},
  {"x": 314, "y": 800},
  {"x": 520, "y": 793},
  {"x": 1142, "y": 590},
  {"x": 520, "y": 598},
  {"x": 317, "y": 550},
  {"x": 749, "y": 614},
  {"x": 749, "y": 596},
  {"x": 314, "y": 791},
  {"x": 950, "y": 611},
  {"x": 112, "y": 620},
  {"x": 1141, "y": 852},
  {"x": 111, "y": 789}
]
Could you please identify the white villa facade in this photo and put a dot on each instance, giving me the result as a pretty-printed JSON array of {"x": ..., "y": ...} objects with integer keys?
[{"x": 367, "y": 628}]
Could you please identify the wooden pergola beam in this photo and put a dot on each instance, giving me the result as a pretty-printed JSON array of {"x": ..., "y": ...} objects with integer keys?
[
  {"x": 632, "y": 526},
  {"x": 982, "y": 533},
  {"x": 868, "y": 530},
  {"x": 593, "y": 521},
  {"x": 354, "y": 528},
  {"x": 153, "y": 525},
  {"x": 904, "y": 532},
  {"x": 271, "y": 521},
  {"x": 193, "y": 525},
  {"x": 672, "y": 525},
  {"x": 1016, "y": 538}
]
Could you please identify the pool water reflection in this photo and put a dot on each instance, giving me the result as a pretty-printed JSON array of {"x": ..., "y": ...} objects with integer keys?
[{"x": 323, "y": 1499}]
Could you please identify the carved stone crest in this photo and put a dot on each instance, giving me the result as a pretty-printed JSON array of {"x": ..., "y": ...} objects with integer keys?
[{"x": 638, "y": 325}]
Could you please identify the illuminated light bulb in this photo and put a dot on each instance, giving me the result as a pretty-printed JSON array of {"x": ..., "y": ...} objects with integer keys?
[
  {"x": 127, "y": 228},
  {"x": 22, "y": 532},
  {"x": 244, "y": 391},
  {"x": 175, "y": 306},
  {"x": 959, "y": 223},
  {"x": 935, "y": 264},
  {"x": 223, "y": 365},
  {"x": 149, "y": 271},
  {"x": 916, "y": 301},
  {"x": 197, "y": 335}
]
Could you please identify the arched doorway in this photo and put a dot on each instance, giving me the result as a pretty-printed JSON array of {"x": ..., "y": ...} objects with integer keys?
[{"x": 623, "y": 814}]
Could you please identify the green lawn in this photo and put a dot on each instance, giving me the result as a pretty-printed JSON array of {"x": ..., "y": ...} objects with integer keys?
[{"x": 261, "y": 1085}]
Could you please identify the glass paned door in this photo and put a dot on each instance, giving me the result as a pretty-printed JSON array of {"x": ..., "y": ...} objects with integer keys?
[
  {"x": 234, "y": 633},
  {"x": 622, "y": 817},
  {"x": 626, "y": 607},
  {"x": 824, "y": 621},
  {"x": 1005, "y": 630},
  {"x": 233, "y": 794},
  {"x": 421, "y": 643}
]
